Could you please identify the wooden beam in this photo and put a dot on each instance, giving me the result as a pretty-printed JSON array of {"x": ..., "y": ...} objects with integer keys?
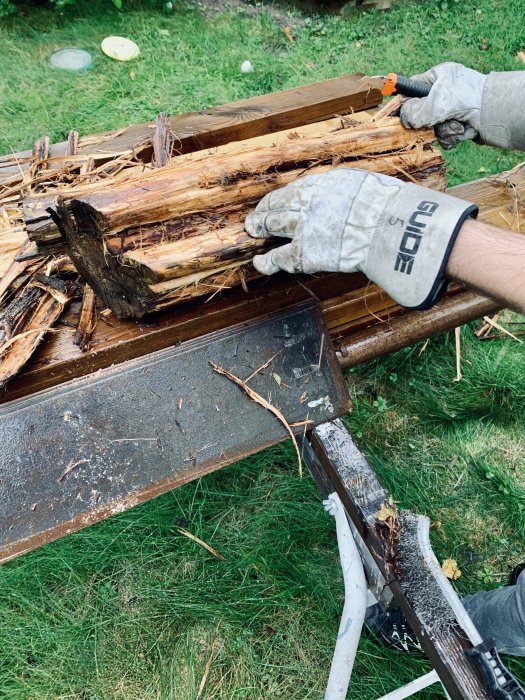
[
  {"x": 211, "y": 127},
  {"x": 381, "y": 339}
]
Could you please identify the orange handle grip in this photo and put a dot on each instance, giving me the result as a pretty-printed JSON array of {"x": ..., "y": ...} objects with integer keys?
[{"x": 389, "y": 87}]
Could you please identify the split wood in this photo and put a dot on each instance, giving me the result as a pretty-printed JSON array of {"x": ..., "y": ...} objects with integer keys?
[{"x": 177, "y": 232}]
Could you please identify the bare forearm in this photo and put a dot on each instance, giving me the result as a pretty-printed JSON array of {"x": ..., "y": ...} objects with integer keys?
[{"x": 490, "y": 260}]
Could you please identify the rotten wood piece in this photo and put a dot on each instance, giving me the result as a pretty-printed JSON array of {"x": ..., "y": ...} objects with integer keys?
[
  {"x": 25, "y": 320},
  {"x": 36, "y": 218},
  {"x": 40, "y": 156},
  {"x": 72, "y": 143},
  {"x": 136, "y": 283},
  {"x": 230, "y": 179},
  {"x": 162, "y": 141}
]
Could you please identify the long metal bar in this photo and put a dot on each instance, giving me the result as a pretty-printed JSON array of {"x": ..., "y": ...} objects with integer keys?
[
  {"x": 406, "y": 691},
  {"x": 354, "y": 608}
]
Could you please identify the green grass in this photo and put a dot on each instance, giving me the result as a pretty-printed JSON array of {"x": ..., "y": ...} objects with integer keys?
[{"x": 130, "y": 608}]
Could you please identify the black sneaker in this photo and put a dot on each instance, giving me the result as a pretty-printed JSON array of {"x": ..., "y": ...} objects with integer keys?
[
  {"x": 392, "y": 629},
  {"x": 515, "y": 573}
]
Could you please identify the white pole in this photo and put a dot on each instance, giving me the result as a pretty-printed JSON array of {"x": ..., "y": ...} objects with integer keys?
[
  {"x": 413, "y": 687},
  {"x": 354, "y": 607}
]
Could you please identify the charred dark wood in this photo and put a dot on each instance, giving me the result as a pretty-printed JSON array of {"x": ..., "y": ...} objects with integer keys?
[{"x": 119, "y": 287}]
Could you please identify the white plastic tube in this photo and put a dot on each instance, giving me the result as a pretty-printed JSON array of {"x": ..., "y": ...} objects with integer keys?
[
  {"x": 354, "y": 607},
  {"x": 413, "y": 687}
]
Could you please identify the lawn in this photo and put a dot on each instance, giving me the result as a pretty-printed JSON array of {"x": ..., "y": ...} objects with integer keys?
[{"x": 130, "y": 609}]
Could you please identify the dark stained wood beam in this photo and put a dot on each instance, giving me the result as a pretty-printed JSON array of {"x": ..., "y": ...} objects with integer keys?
[{"x": 87, "y": 450}]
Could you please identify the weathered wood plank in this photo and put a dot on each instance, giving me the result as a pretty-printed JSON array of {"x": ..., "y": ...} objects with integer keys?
[
  {"x": 335, "y": 457},
  {"x": 212, "y": 127}
]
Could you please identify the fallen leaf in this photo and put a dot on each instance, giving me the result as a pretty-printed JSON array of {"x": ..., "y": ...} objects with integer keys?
[
  {"x": 386, "y": 511},
  {"x": 451, "y": 569}
]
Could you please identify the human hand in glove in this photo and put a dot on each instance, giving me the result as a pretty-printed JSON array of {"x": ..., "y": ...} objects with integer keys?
[
  {"x": 346, "y": 220},
  {"x": 464, "y": 104}
]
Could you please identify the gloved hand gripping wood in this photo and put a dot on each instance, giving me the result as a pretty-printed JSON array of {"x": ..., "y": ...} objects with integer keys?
[{"x": 398, "y": 234}]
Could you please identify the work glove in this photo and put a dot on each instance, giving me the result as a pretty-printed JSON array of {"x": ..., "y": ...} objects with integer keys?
[
  {"x": 464, "y": 104},
  {"x": 346, "y": 220}
]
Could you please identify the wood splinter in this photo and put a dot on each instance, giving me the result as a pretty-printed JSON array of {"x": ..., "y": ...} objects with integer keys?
[
  {"x": 265, "y": 404},
  {"x": 87, "y": 319}
]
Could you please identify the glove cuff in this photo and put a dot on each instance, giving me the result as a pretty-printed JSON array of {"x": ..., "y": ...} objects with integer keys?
[
  {"x": 502, "y": 109},
  {"x": 412, "y": 243}
]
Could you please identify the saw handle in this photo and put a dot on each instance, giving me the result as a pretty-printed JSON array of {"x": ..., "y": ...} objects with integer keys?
[{"x": 405, "y": 86}]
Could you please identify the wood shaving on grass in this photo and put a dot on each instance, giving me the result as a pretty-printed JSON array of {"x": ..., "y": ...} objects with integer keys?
[
  {"x": 196, "y": 539},
  {"x": 206, "y": 670},
  {"x": 500, "y": 328},
  {"x": 457, "y": 333}
]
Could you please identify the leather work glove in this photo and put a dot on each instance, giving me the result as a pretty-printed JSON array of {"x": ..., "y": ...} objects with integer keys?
[
  {"x": 464, "y": 104},
  {"x": 346, "y": 220}
]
